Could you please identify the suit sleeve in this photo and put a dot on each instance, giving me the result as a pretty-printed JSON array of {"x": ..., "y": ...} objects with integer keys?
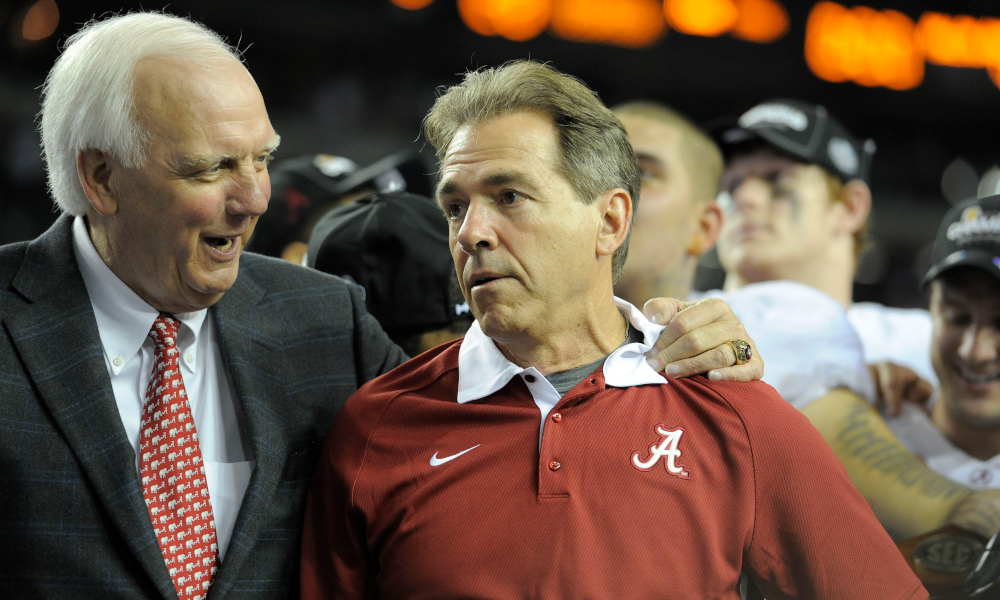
[
  {"x": 375, "y": 353},
  {"x": 335, "y": 558},
  {"x": 814, "y": 535}
]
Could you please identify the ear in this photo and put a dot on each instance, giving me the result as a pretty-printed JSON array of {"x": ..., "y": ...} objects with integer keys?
[
  {"x": 707, "y": 224},
  {"x": 616, "y": 218},
  {"x": 856, "y": 198},
  {"x": 95, "y": 168}
]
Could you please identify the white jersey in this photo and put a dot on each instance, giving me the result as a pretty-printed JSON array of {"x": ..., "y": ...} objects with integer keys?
[
  {"x": 808, "y": 345},
  {"x": 916, "y": 431},
  {"x": 897, "y": 335}
]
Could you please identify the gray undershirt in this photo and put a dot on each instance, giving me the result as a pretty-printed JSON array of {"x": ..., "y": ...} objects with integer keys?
[{"x": 564, "y": 381}]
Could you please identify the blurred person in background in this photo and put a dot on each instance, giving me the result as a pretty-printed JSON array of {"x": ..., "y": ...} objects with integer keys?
[
  {"x": 815, "y": 351},
  {"x": 395, "y": 247},
  {"x": 814, "y": 229},
  {"x": 305, "y": 188},
  {"x": 534, "y": 486},
  {"x": 960, "y": 438},
  {"x": 680, "y": 167}
]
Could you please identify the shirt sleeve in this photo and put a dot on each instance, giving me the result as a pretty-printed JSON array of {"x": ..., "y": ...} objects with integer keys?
[
  {"x": 814, "y": 535},
  {"x": 805, "y": 338},
  {"x": 335, "y": 558}
]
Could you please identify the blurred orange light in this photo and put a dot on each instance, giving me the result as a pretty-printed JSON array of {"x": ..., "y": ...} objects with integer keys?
[
  {"x": 40, "y": 21},
  {"x": 517, "y": 20},
  {"x": 960, "y": 41},
  {"x": 868, "y": 47},
  {"x": 701, "y": 17},
  {"x": 412, "y": 4},
  {"x": 629, "y": 23},
  {"x": 760, "y": 21}
]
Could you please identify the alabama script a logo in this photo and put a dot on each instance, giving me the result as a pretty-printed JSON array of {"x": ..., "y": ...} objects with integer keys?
[{"x": 667, "y": 448}]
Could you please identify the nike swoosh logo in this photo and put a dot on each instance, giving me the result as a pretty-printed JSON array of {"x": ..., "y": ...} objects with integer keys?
[{"x": 435, "y": 461}]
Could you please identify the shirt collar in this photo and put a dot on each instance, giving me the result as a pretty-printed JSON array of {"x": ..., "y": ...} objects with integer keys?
[
  {"x": 483, "y": 369},
  {"x": 123, "y": 318}
]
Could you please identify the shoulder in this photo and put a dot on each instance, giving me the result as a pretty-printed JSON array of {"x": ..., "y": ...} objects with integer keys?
[
  {"x": 757, "y": 406},
  {"x": 436, "y": 367},
  {"x": 282, "y": 276},
  {"x": 11, "y": 258}
]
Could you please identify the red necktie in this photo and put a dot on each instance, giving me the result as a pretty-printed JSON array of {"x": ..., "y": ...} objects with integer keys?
[{"x": 173, "y": 474}]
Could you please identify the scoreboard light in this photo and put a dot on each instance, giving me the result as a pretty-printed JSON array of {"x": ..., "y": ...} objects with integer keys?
[
  {"x": 40, "y": 21},
  {"x": 960, "y": 40},
  {"x": 709, "y": 18},
  {"x": 761, "y": 21},
  {"x": 886, "y": 48},
  {"x": 412, "y": 4},
  {"x": 863, "y": 45},
  {"x": 516, "y": 20},
  {"x": 628, "y": 23}
]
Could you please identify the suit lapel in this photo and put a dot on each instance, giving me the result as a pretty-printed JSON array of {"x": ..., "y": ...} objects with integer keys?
[
  {"x": 252, "y": 356},
  {"x": 56, "y": 337}
]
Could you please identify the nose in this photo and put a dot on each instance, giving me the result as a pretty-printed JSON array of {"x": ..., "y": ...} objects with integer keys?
[
  {"x": 980, "y": 345},
  {"x": 250, "y": 192},
  {"x": 752, "y": 192},
  {"x": 476, "y": 231}
]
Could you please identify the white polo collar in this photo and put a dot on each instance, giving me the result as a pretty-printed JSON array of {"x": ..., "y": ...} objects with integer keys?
[
  {"x": 483, "y": 369},
  {"x": 123, "y": 318}
]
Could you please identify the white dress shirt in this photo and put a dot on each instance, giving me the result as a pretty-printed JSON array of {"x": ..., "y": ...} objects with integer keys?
[
  {"x": 483, "y": 369},
  {"x": 123, "y": 322}
]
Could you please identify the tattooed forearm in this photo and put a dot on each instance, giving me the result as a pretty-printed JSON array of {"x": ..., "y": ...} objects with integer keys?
[{"x": 863, "y": 436}]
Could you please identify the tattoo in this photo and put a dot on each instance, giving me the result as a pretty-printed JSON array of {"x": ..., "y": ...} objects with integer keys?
[{"x": 860, "y": 439}]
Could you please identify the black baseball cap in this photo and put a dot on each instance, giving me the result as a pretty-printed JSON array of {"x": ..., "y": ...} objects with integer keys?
[
  {"x": 305, "y": 187},
  {"x": 969, "y": 236},
  {"x": 802, "y": 130},
  {"x": 395, "y": 246}
]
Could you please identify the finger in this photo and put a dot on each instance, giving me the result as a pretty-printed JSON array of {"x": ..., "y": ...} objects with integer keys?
[
  {"x": 712, "y": 322},
  {"x": 751, "y": 371},
  {"x": 920, "y": 392},
  {"x": 893, "y": 382},
  {"x": 661, "y": 310},
  {"x": 716, "y": 358},
  {"x": 700, "y": 341},
  {"x": 876, "y": 380}
]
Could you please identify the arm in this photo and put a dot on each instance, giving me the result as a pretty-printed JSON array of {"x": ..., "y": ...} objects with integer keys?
[
  {"x": 814, "y": 534},
  {"x": 907, "y": 496},
  {"x": 694, "y": 341}
]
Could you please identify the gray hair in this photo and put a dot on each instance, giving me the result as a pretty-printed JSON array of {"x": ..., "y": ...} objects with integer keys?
[
  {"x": 88, "y": 100},
  {"x": 595, "y": 153}
]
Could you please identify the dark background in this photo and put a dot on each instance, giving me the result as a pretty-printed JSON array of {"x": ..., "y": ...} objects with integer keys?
[{"x": 355, "y": 78}]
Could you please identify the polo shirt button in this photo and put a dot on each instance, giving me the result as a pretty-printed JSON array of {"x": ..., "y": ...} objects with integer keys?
[
  {"x": 529, "y": 378},
  {"x": 556, "y": 417},
  {"x": 555, "y": 465}
]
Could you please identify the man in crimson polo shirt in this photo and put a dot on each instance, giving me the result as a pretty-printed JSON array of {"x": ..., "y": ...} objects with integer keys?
[{"x": 540, "y": 456}]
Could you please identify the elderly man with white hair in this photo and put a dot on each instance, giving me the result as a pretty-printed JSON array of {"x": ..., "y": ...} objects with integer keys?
[{"x": 164, "y": 395}]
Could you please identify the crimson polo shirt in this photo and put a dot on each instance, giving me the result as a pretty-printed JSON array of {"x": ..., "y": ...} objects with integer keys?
[{"x": 645, "y": 491}]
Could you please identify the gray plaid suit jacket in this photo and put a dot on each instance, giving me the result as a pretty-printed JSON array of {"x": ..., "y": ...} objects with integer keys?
[{"x": 73, "y": 524}]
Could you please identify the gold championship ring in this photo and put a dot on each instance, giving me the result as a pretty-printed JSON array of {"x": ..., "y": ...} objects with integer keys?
[{"x": 742, "y": 350}]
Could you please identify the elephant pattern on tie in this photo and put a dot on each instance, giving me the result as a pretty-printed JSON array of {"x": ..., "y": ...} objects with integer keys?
[{"x": 173, "y": 474}]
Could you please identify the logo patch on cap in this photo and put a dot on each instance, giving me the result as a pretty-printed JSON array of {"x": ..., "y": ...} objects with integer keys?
[
  {"x": 975, "y": 225},
  {"x": 842, "y": 154},
  {"x": 775, "y": 115}
]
